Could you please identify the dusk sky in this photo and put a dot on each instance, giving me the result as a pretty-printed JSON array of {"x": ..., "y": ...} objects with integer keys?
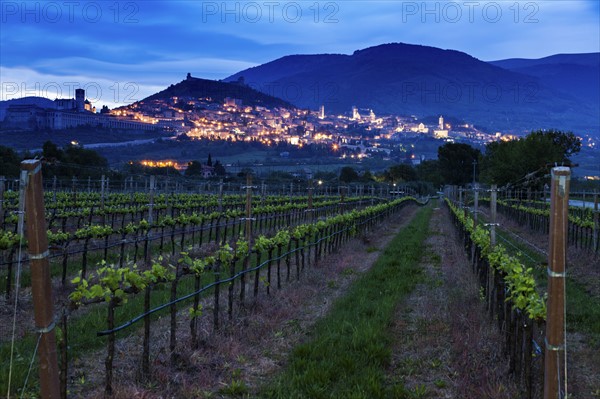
[{"x": 123, "y": 51}]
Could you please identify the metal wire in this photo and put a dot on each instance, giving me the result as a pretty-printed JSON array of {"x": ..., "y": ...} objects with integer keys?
[
  {"x": 31, "y": 364},
  {"x": 20, "y": 231}
]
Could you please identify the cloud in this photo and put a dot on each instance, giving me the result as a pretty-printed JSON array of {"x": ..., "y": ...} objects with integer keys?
[
  {"x": 154, "y": 44},
  {"x": 109, "y": 83}
]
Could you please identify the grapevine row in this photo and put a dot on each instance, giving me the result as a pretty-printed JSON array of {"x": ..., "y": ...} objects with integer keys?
[
  {"x": 229, "y": 266},
  {"x": 511, "y": 296},
  {"x": 216, "y": 225},
  {"x": 583, "y": 228}
]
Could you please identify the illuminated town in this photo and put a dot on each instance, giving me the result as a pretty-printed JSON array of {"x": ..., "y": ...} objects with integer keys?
[{"x": 359, "y": 133}]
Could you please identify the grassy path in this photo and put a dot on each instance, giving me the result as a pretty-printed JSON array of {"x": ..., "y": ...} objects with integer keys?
[{"x": 349, "y": 351}]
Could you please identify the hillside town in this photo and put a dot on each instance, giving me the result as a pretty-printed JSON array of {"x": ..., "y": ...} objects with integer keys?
[{"x": 359, "y": 133}]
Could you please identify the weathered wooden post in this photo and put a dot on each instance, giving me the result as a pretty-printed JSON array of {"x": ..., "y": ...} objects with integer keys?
[
  {"x": 248, "y": 234},
  {"x": 102, "y": 192},
  {"x": 310, "y": 208},
  {"x": 493, "y": 214},
  {"x": 248, "y": 226},
  {"x": 148, "y": 290},
  {"x": 596, "y": 224},
  {"x": 2, "y": 179},
  {"x": 220, "y": 196},
  {"x": 41, "y": 286},
  {"x": 54, "y": 189},
  {"x": 555, "y": 377}
]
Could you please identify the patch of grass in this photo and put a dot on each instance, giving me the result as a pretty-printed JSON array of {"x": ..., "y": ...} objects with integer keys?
[
  {"x": 434, "y": 258},
  {"x": 420, "y": 391},
  {"x": 235, "y": 388},
  {"x": 350, "y": 349},
  {"x": 440, "y": 383},
  {"x": 372, "y": 249},
  {"x": 583, "y": 313},
  {"x": 435, "y": 363}
]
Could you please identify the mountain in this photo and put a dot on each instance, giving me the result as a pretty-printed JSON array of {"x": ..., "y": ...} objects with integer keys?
[
  {"x": 575, "y": 73},
  {"x": 406, "y": 79},
  {"x": 586, "y": 59},
  {"x": 217, "y": 90}
]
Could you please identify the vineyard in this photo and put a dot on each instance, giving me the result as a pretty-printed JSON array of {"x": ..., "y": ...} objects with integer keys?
[
  {"x": 121, "y": 258},
  {"x": 121, "y": 263}
]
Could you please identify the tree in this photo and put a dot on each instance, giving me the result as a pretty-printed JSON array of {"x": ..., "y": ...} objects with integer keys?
[
  {"x": 527, "y": 160},
  {"x": 367, "y": 177},
  {"x": 194, "y": 169},
  {"x": 348, "y": 174},
  {"x": 9, "y": 162},
  {"x": 72, "y": 161},
  {"x": 456, "y": 163},
  {"x": 209, "y": 161},
  {"x": 219, "y": 168},
  {"x": 400, "y": 173},
  {"x": 51, "y": 152},
  {"x": 84, "y": 162},
  {"x": 429, "y": 171}
]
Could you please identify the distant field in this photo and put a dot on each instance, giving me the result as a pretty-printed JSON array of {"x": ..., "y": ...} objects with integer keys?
[{"x": 32, "y": 140}]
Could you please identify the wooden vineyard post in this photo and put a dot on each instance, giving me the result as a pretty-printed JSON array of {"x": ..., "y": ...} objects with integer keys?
[
  {"x": 220, "y": 197},
  {"x": 248, "y": 220},
  {"x": 74, "y": 191},
  {"x": 148, "y": 290},
  {"x": 493, "y": 214},
  {"x": 102, "y": 191},
  {"x": 310, "y": 208},
  {"x": 555, "y": 377},
  {"x": 41, "y": 287},
  {"x": 248, "y": 235},
  {"x": 475, "y": 205},
  {"x": 54, "y": 189},
  {"x": 1, "y": 200},
  {"x": 492, "y": 273},
  {"x": 596, "y": 225}
]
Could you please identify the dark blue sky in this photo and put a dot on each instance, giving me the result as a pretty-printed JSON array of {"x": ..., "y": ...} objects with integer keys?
[{"x": 123, "y": 51}]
